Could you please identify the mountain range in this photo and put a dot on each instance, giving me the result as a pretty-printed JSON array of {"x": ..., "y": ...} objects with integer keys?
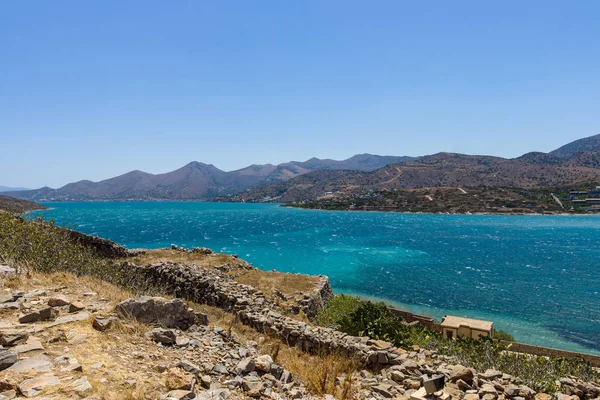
[
  {"x": 577, "y": 163},
  {"x": 574, "y": 163},
  {"x": 197, "y": 180}
]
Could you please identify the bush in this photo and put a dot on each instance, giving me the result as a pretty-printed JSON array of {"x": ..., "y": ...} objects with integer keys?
[
  {"x": 501, "y": 335},
  {"x": 41, "y": 246},
  {"x": 336, "y": 309}
]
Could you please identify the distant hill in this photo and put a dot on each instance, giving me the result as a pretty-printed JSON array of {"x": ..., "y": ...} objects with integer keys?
[
  {"x": 534, "y": 170},
  {"x": 196, "y": 180},
  {"x": 11, "y": 189},
  {"x": 18, "y": 205},
  {"x": 587, "y": 144}
]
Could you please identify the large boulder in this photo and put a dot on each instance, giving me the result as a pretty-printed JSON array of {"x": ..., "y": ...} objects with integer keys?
[
  {"x": 156, "y": 310},
  {"x": 461, "y": 372}
]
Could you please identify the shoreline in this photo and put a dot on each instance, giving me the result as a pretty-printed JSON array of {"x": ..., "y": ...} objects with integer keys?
[
  {"x": 286, "y": 206},
  {"x": 566, "y": 214}
]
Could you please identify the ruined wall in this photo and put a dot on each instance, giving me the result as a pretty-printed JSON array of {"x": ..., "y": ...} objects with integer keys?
[
  {"x": 215, "y": 288},
  {"x": 102, "y": 247}
]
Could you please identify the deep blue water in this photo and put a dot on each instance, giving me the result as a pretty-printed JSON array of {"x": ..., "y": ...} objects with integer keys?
[{"x": 537, "y": 277}]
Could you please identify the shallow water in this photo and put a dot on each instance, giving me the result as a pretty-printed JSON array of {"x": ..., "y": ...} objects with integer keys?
[{"x": 536, "y": 277}]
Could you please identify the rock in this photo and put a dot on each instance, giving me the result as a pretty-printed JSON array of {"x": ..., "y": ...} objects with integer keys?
[
  {"x": 163, "y": 336},
  {"x": 491, "y": 374},
  {"x": 189, "y": 367},
  {"x": 263, "y": 363},
  {"x": 201, "y": 318},
  {"x": 435, "y": 384},
  {"x": 156, "y": 310},
  {"x": 76, "y": 306},
  {"x": 526, "y": 392},
  {"x": 383, "y": 390},
  {"x": 7, "y": 272},
  {"x": 412, "y": 383},
  {"x": 220, "y": 369},
  {"x": 67, "y": 319},
  {"x": 42, "y": 315},
  {"x": 13, "y": 305},
  {"x": 7, "y": 358},
  {"x": 82, "y": 385},
  {"x": 180, "y": 395},
  {"x": 461, "y": 372},
  {"x": 102, "y": 324},
  {"x": 486, "y": 388},
  {"x": 252, "y": 385},
  {"x": 471, "y": 396},
  {"x": 58, "y": 301},
  {"x": 409, "y": 366},
  {"x": 68, "y": 363},
  {"x": 244, "y": 367},
  {"x": 32, "y": 387},
  {"x": 543, "y": 396},
  {"x": 176, "y": 379},
  {"x": 511, "y": 390},
  {"x": 33, "y": 344},
  {"x": 37, "y": 363},
  {"x": 205, "y": 381},
  {"x": 215, "y": 394},
  {"x": 420, "y": 394},
  {"x": 13, "y": 337}
]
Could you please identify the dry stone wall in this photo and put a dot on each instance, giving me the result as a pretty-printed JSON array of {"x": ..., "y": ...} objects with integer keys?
[{"x": 216, "y": 288}]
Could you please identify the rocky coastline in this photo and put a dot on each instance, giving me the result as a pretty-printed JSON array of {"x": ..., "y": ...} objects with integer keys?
[{"x": 182, "y": 348}]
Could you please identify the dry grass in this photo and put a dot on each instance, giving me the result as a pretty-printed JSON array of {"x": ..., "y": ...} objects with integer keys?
[
  {"x": 69, "y": 283},
  {"x": 205, "y": 260},
  {"x": 289, "y": 284},
  {"x": 321, "y": 373}
]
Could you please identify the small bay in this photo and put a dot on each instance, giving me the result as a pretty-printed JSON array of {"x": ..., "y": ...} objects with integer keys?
[{"x": 536, "y": 277}]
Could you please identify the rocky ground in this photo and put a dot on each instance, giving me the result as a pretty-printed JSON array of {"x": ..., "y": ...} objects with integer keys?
[{"x": 63, "y": 337}]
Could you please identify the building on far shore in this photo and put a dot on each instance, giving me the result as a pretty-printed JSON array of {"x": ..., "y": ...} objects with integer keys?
[{"x": 453, "y": 327}]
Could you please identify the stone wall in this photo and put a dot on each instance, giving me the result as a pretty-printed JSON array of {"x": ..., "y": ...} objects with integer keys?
[
  {"x": 102, "y": 247},
  {"x": 216, "y": 288},
  {"x": 316, "y": 301}
]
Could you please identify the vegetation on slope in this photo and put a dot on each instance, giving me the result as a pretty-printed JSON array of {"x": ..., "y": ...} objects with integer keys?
[
  {"x": 364, "y": 318},
  {"x": 14, "y": 205}
]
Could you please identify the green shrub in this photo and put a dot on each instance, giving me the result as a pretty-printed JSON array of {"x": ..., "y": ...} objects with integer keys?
[
  {"x": 41, "y": 246},
  {"x": 336, "y": 309},
  {"x": 501, "y": 335}
]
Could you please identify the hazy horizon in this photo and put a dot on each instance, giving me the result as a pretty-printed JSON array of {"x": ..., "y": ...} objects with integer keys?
[{"x": 92, "y": 91}]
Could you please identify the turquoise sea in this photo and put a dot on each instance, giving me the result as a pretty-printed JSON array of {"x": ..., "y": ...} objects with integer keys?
[{"x": 537, "y": 277}]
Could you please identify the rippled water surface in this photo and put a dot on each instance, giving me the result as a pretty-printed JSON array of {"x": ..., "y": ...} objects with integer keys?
[{"x": 536, "y": 277}]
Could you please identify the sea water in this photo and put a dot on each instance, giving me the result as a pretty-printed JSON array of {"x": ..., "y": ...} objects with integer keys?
[{"x": 536, "y": 277}]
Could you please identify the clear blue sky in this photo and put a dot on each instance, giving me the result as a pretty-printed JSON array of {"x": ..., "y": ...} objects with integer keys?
[{"x": 93, "y": 89}]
